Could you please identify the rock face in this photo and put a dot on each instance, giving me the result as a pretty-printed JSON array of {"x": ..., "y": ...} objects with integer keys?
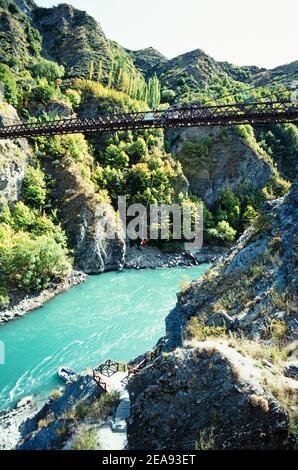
[
  {"x": 84, "y": 220},
  {"x": 73, "y": 38},
  {"x": 10, "y": 422},
  {"x": 214, "y": 159},
  {"x": 255, "y": 284},
  {"x": 26, "y": 5},
  {"x": 205, "y": 397},
  {"x": 14, "y": 158}
]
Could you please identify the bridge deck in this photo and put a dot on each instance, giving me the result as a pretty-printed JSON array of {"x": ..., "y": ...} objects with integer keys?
[{"x": 218, "y": 115}]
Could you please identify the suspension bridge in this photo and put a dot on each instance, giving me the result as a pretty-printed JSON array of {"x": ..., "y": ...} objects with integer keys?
[{"x": 259, "y": 112}]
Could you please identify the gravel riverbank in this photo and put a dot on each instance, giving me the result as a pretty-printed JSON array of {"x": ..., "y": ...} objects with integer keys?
[
  {"x": 152, "y": 257},
  {"x": 23, "y": 303}
]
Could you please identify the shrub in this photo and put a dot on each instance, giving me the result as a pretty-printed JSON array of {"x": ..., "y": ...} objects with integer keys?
[
  {"x": 30, "y": 261},
  {"x": 249, "y": 215},
  {"x": 137, "y": 150},
  {"x": 99, "y": 409},
  {"x": 74, "y": 97},
  {"x": 85, "y": 440},
  {"x": 196, "y": 329},
  {"x": 34, "y": 187},
  {"x": 206, "y": 440},
  {"x": 43, "y": 225},
  {"x": 116, "y": 157},
  {"x": 23, "y": 217},
  {"x": 44, "y": 92},
  {"x": 262, "y": 224},
  {"x": 48, "y": 69},
  {"x": 276, "y": 187},
  {"x": 278, "y": 330},
  {"x": 259, "y": 402},
  {"x": 4, "y": 297},
  {"x": 223, "y": 232},
  {"x": 57, "y": 393},
  {"x": 73, "y": 145}
]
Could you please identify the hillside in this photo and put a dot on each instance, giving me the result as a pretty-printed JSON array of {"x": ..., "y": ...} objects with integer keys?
[
  {"x": 63, "y": 66},
  {"x": 147, "y": 60}
]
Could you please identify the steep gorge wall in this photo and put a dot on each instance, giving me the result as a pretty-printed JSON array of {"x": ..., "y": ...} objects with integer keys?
[{"x": 217, "y": 158}]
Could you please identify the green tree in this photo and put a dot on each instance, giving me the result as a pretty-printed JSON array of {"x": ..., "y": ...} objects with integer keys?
[
  {"x": 23, "y": 216},
  {"x": 111, "y": 74},
  {"x": 137, "y": 150},
  {"x": 31, "y": 262},
  {"x": 10, "y": 85},
  {"x": 223, "y": 232}
]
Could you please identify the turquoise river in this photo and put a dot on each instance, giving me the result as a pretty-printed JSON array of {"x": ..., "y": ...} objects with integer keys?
[{"x": 115, "y": 315}]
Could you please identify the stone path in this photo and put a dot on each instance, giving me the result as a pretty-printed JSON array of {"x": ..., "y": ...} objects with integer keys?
[{"x": 113, "y": 436}]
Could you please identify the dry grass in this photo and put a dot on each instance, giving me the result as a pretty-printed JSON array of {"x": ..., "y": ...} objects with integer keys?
[
  {"x": 274, "y": 354},
  {"x": 57, "y": 393},
  {"x": 259, "y": 402},
  {"x": 197, "y": 330},
  {"x": 43, "y": 423}
]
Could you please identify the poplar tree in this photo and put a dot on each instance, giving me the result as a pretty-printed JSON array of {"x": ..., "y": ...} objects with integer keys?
[
  {"x": 111, "y": 75},
  {"x": 91, "y": 69},
  {"x": 154, "y": 93},
  {"x": 99, "y": 71}
]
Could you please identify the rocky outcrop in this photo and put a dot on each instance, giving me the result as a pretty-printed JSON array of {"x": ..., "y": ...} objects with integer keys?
[
  {"x": 46, "y": 429},
  {"x": 11, "y": 420},
  {"x": 56, "y": 107},
  {"x": 214, "y": 159},
  {"x": 147, "y": 60},
  {"x": 205, "y": 397},
  {"x": 14, "y": 158},
  {"x": 85, "y": 219},
  {"x": 255, "y": 285}
]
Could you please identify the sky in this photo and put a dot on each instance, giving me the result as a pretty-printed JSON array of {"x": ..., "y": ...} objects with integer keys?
[{"x": 244, "y": 32}]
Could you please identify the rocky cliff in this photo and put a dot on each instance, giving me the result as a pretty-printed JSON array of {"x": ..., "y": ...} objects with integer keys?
[
  {"x": 14, "y": 158},
  {"x": 85, "y": 219},
  {"x": 206, "y": 397},
  {"x": 214, "y": 159}
]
